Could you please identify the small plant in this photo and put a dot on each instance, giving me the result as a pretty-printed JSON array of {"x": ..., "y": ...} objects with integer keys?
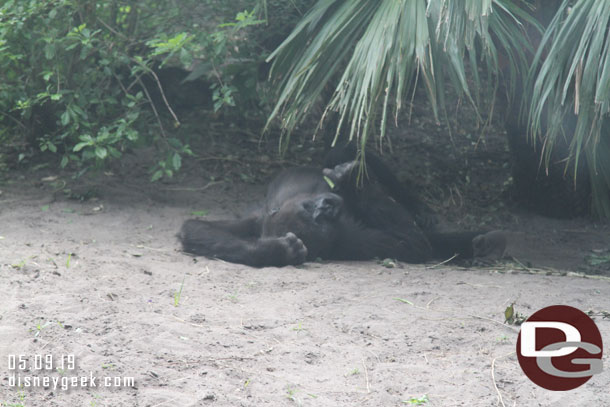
[
  {"x": 21, "y": 402},
  {"x": 299, "y": 327},
  {"x": 39, "y": 327},
  {"x": 291, "y": 394},
  {"x": 417, "y": 401},
  {"x": 93, "y": 402},
  {"x": 389, "y": 263},
  {"x": 513, "y": 318},
  {"x": 178, "y": 294}
]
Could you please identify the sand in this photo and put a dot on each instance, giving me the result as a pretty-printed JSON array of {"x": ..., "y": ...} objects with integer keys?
[{"x": 102, "y": 283}]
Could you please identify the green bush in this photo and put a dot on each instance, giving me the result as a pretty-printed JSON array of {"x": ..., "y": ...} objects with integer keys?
[{"x": 77, "y": 76}]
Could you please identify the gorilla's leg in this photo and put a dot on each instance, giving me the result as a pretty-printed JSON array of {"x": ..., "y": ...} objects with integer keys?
[
  {"x": 491, "y": 244},
  {"x": 392, "y": 224},
  {"x": 237, "y": 242},
  {"x": 358, "y": 242},
  {"x": 379, "y": 173}
]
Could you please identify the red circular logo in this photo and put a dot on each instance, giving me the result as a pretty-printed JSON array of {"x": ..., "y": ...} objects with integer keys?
[{"x": 559, "y": 348}]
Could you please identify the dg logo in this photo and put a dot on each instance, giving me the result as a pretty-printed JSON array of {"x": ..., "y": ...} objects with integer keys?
[{"x": 559, "y": 348}]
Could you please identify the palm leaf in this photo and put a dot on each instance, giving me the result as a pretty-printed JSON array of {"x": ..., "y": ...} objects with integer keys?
[
  {"x": 374, "y": 53},
  {"x": 570, "y": 75}
]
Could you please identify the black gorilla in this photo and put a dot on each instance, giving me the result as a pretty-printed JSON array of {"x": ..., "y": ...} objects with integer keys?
[{"x": 310, "y": 213}]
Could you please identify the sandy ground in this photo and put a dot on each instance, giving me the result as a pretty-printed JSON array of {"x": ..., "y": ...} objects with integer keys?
[{"x": 102, "y": 282}]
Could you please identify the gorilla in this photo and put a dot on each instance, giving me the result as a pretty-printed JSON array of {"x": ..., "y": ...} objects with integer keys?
[{"x": 330, "y": 214}]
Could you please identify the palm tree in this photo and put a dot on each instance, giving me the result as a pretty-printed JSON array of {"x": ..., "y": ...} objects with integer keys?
[
  {"x": 570, "y": 77},
  {"x": 375, "y": 53}
]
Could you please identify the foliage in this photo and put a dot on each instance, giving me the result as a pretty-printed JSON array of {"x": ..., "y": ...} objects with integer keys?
[
  {"x": 376, "y": 52},
  {"x": 78, "y": 77},
  {"x": 372, "y": 55},
  {"x": 570, "y": 75}
]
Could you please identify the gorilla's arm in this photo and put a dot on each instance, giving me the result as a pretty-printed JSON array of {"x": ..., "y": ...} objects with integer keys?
[{"x": 239, "y": 241}]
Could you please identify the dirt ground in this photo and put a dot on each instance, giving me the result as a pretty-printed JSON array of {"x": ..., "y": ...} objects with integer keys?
[
  {"x": 91, "y": 273},
  {"x": 101, "y": 281}
]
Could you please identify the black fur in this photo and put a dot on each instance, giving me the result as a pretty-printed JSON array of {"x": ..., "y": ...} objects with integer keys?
[{"x": 304, "y": 218}]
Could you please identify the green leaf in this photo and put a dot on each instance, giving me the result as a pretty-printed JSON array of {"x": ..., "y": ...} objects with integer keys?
[
  {"x": 186, "y": 58},
  {"x": 156, "y": 176},
  {"x": 49, "y": 51},
  {"x": 176, "y": 161},
  {"x": 65, "y": 118},
  {"x": 77, "y": 109},
  {"x": 80, "y": 146},
  {"x": 101, "y": 152},
  {"x": 132, "y": 135}
]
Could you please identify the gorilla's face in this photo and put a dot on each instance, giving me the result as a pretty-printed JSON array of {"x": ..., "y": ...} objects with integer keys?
[{"x": 314, "y": 219}]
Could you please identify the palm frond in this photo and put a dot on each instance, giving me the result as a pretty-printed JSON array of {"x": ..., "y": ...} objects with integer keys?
[
  {"x": 570, "y": 76},
  {"x": 380, "y": 50}
]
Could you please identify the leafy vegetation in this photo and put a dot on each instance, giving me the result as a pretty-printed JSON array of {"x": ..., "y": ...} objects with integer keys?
[
  {"x": 570, "y": 75},
  {"x": 81, "y": 81},
  {"x": 372, "y": 56},
  {"x": 79, "y": 77}
]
